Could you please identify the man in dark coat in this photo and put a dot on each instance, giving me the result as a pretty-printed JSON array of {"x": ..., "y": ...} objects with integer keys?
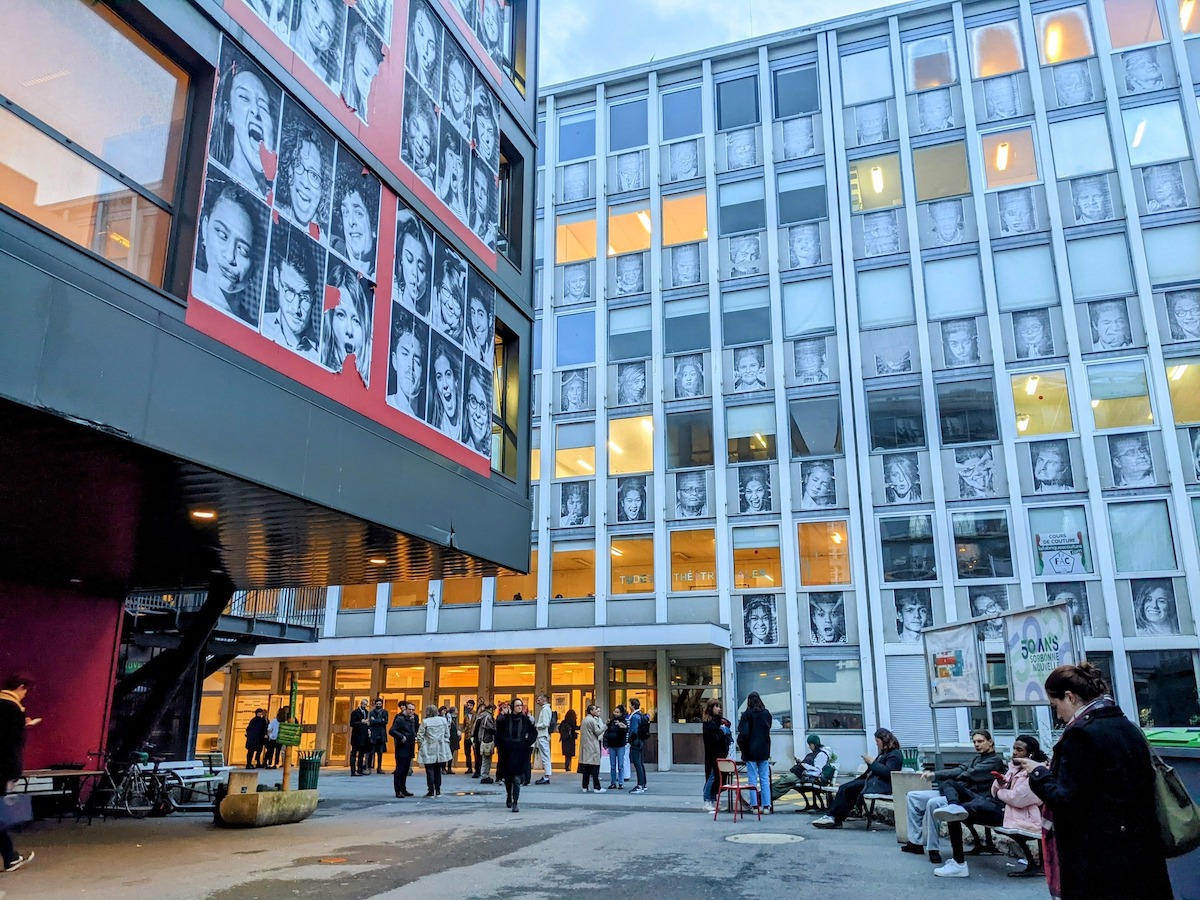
[
  {"x": 404, "y": 739},
  {"x": 256, "y": 738},
  {"x": 515, "y": 737},
  {"x": 377, "y": 721},
  {"x": 13, "y": 723},
  {"x": 360, "y": 739}
]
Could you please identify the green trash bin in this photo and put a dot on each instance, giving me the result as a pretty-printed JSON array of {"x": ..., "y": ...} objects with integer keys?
[{"x": 310, "y": 768}]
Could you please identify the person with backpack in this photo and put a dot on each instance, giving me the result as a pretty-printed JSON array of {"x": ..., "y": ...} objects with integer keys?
[
  {"x": 616, "y": 737},
  {"x": 568, "y": 732},
  {"x": 815, "y": 769},
  {"x": 639, "y": 733},
  {"x": 485, "y": 736},
  {"x": 547, "y": 721}
]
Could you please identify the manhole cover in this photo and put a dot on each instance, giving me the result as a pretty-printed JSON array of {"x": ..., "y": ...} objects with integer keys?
[{"x": 764, "y": 837}]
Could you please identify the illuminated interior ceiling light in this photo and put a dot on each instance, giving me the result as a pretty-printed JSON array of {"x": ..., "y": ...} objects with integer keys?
[
  {"x": 611, "y": 250},
  {"x": 758, "y": 437},
  {"x": 616, "y": 552},
  {"x": 1139, "y": 133},
  {"x": 1186, "y": 8},
  {"x": 1053, "y": 43},
  {"x": 583, "y": 463},
  {"x": 1177, "y": 372},
  {"x": 836, "y": 537},
  {"x": 1022, "y": 423},
  {"x": 648, "y": 425},
  {"x": 1002, "y": 156},
  {"x": 615, "y": 448},
  {"x": 377, "y": 561},
  {"x": 119, "y": 239},
  {"x": 877, "y": 179},
  {"x": 1031, "y": 385},
  {"x": 644, "y": 218},
  {"x": 1095, "y": 403},
  {"x": 204, "y": 515}
]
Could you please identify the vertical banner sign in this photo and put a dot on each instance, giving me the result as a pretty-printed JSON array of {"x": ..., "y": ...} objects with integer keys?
[
  {"x": 1036, "y": 642},
  {"x": 952, "y": 662}
]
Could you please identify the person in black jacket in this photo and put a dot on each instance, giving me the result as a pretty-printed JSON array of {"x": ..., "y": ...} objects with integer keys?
[
  {"x": 1098, "y": 795},
  {"x": 404, "y": 739},
  {"x": 377, "y": 723},
  {"x": 256, "y": 739},
  {"x": 754, "y": 740},
  {"x": 718, "y": 735},
  {"x": 876, "y": 780},
  {"x": 360, "y": 739},
  {"x": 568, "y": 734},
  {"x": 616, "y": 738},
  {"x": 515, "y": 737},
  {"x": 13, "y": 723}
]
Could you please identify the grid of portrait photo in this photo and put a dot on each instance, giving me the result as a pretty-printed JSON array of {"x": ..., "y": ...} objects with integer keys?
[
  {"x": 289, "y": 220},
  {"x": 442, "y": 342},
  {"x": 491, "y": 22},
  {"x": 343, "y": 43},
  {"x": 451, "y": 128}
]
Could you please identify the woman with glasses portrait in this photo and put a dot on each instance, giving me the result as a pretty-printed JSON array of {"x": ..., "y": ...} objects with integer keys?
[
  {"x": 477, "y": 424},
  {"x": 305, "y": 171},
  {"x": 294, "y": 273}
]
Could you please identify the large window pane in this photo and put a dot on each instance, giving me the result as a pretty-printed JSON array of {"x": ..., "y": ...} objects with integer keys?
[
  {"x": 573, "y": 570},
  {"x": 459, "y": 591},
  {"x": 808, "y": 307},
  {"x": 632, "y": 565},
  {"x": 1025, "y": 278},
  {"x": 772, "y": 681},
  {"x": 833, "y": 694},
  {"x": 743, "y": 207},
  {"x": 1170, "y": 252},
  {"x": 409, "y": 593},
  {"x": 576, "y": 238},
  {"x": 1189, "y": 16},
  {"x": 930, "y": 63},
  {"x": 802, "y": 196},
  {"x": 1099, "y": 266},
  {"x": 746, "y": 316},
  {"x": 756, "y": 563},
  {"x": 684, "y": 218},
  {"x": 885, "y": 297},
  {"x": 953, "y": 287},
  {"x": 737, "y": 103},
  {"x": 357, "y": 596},
  {"x": 577, "y": 135},
  {"x": 1081, "y": 146},
  {"x": 628, "y": 228},
  {"x": 941, "y": 171},
  {"x": 627, "y": 125},
  {"x": 1141, "y": 536},
  {"x": 967, "y": 412},
  {"x": 875, "y": 183},
  {"x": 1043, "y": 403},
  {"x": 575, "y": 450},
  {"x": 689, "y": 440},
  {"x": 1120, "y": 395},
  {"x": 1154, "y": 133},
  {"x": 824, "y": 552},
  {"x": 519, "y": 587},
  {"x": 796, "y": 92},
  {"x": 630, "y": 445},
  {"x": 996, "y": 49},
  {"x": 694, "y": 560},
  {"x": 1063, "y": 35},
  {"x": 896, "y": 417},
  {"x": 576, "y": 341},
  {"x": 629, "y": 333},
  {"x": 115, "y": 95},
  {"x": 816, "y": 427},
  {"x": 1132, "y": 22},
  {"x": 1183, "y": 381},
  {"x": 1164, "y": 682},
  {"x": 681, "y": 113},
  {"x": 750, "y": 432},
  {"x": 906, "y": 543},
  {"x": 1058, "y": 537},
  {"x": 685, "y": 325},
  {"x": 981, "y": 547},
  {"x": 866, "y": 76},
  {"x": 1009, "y": 158}
]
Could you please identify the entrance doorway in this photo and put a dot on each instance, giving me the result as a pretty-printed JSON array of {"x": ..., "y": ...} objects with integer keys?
[
  {"x": 572, "y": 687},
  {"x": 350, "y": 686},
  {"x": 405, "y": 683}
]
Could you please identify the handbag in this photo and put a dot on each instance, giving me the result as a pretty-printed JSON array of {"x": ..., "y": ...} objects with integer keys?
[
  {"x": 15, "y": 809},
  {"x": 1178, "y": 815}
]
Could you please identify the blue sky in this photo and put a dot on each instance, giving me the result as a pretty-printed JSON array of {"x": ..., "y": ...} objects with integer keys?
[{"x": 581, "y": 38}]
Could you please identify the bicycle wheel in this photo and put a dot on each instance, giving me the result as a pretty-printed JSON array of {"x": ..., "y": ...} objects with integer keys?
[
  {"x": 172, "y": 792},
  {"x": 137, "y": 800}
]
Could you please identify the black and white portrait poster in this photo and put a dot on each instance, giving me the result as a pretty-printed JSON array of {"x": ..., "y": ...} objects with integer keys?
[
  {"x": 1183, "y": 314},
  {"x": 691, "y": 495},
  {"x": 1091, "y": 199},
  {"x": 799, "y": 139},
  {"x": 575, "y": 507},
  {"x": 683, "y": 159},
  {"x": 1109, "y": 320},
  {"x": 685, "y": 265},
  {"x": 1073, "y": 83},
  {"x": 689, "y": 376},
  {"x": 976, "y": 471},
  {"x": 1051, "y": 464},
  {"x": 631, "y": 499},
  {"x": 947, "y": 225},
  {"x": 754, "y": 489},
  {"x": 1164, "y": 187},
  {"x": 1075, "y": 595},
  {"x": 914, "y": 612},
  {"x": 1001, "y": 97},
  {"x": 935, "y": 111},
  {"x": 818, "y": 484},
  {"x": 1131, "y": 460},
  {"x": 960, "y": 342},
  {"x": 574, "y": 391},
  {"x": 631, "y": 383},
  {"x": 760, "y": 620},
  {"x": 810, "y": 360},
  {"x": 1016, "y": 211},
  {"x": 991, "y": 600},
  {"x": 827, "y": 617},
  {"x": 1154, "y": 611},
  {"x": 442, "y": 336},
  {"x": 881, "y": 232},
  {"x": 871, "y": 123},
  {"x": 901, "y": 478},
  {"x": 1032, "y": 335}
]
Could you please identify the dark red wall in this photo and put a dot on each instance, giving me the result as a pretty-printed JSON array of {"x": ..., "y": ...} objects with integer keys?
[{"x": 67, "y": 643}]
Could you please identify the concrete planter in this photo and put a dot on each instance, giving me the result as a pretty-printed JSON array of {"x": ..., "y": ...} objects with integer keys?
[{"x": 255, "y": 810}]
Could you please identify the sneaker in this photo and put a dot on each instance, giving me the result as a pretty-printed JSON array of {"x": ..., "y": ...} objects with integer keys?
[
  {"x": 953, "y": 869},
  {"x": 621, "y": 787},
  {"x": 910, "y": 847},
  {"x": 587, "y": 790},
  {"x": 487, "y": 781},
  {"x": 638, "y": 790},
  {"x": 18, "y": 862},
  {"x": 708, "y": 807},
  {"x": 613, "y": 786},
  {"x": 935, "y": 857},
  {"x": 601, "y": 790},
  {"x": 542, "y": 780},
  {"x": 516, "y": 808},
  {"x": 827, "y": 822},
  {"x": 950, "y": 813}
]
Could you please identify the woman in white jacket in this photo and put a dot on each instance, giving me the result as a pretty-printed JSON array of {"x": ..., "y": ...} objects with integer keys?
[{"x": 433, "y": 739}]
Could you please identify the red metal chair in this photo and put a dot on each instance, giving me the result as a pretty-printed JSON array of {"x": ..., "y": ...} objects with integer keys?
[{"x": 731, "y": 783}]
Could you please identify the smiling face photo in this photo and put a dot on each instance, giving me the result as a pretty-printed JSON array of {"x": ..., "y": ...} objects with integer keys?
[
  {"x": 631, "y": 499},
  {"x": 1154, "y": 610},
  {"x": 754, "y": 489},
  {"x": 1032, "y": 335},
  {"x": 1131, "y": 460},
  {"x": 683, "y": 161},
  {"x": 759, "y": 620},
  {"x": 1183, "y": 315},
  {"x": 989, "y": 601},
  {"x": 804, "y": 245}
]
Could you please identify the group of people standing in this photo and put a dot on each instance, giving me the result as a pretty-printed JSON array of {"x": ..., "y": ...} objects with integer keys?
[{"x": 263, "y": 750}]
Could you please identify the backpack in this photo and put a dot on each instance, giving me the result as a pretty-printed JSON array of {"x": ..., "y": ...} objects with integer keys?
[
  {"x": 553, "y": 720},
  {"x": 643, "y": 731}
]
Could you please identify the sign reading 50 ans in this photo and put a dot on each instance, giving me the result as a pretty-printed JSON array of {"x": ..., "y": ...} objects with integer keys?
[{"x": 1036, "y": 642}]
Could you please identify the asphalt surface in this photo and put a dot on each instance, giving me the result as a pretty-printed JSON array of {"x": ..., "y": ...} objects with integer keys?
[{"x": 362, "y": 842}]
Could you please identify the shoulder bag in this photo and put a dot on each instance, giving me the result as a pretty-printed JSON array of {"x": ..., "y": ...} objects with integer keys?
[{"x": 1178, "y": 815}]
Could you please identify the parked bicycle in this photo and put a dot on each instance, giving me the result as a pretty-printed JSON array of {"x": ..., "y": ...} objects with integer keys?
[{"x": 137, "y": 787}]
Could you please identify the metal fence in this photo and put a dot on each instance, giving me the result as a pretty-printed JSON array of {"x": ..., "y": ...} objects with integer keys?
[{"x": 304, "y": 607}]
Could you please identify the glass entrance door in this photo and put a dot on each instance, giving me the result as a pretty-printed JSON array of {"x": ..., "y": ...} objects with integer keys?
[
  {"x": 573, "y": 687},
  {"x": 349, "y": 687}
]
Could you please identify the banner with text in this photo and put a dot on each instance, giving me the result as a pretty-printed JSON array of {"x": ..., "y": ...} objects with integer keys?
[{"x": 1036, "y": 642}]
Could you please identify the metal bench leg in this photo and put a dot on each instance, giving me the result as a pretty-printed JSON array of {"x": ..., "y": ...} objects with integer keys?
[{"x": 870, "y": 813}]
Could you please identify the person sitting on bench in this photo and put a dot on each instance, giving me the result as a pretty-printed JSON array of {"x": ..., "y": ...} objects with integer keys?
[
  {"x": 876, "y": 780},
  {"x": 812, "y": 770}
]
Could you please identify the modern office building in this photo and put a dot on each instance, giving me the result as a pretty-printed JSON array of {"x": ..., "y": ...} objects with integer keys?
[
  {"x": 265, "y": 269},
  {"x": 872, "y": 325}
]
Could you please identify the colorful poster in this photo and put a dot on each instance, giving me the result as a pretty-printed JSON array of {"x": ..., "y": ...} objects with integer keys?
[
  {"x": 952, "y": 661},
  {"x": 1060, "y": 553},
  {"x": 1036, "y": 642}
]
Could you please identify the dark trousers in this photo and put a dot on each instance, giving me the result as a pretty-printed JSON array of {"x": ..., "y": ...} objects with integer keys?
[
  {"x": 635, "y": 763},
  {"x": 254, "y": 757},
  {"x": 7, "y": 850},
  {"x": 846, "y": 798},
  {"x": 400, "y": 776},
  {"x": 360, "y": 758},
  {"x": 592, "y": 771},
  {"x": 467, "y": 755},
  {"x": 478, "y": 759},
  {"x": 433, "y": 777},
  {"x": 512, "y": 787},
  {"x": 378, "y": 747}
]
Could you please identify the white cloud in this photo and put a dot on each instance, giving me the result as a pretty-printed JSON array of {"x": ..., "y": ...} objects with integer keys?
[{"x": 582, "y": 38}]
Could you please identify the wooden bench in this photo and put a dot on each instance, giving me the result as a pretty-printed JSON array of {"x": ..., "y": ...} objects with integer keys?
[{"x": 199, "y": 779}]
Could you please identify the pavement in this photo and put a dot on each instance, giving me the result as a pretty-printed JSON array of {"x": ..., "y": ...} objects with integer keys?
[{"x": 364, "y": 843}]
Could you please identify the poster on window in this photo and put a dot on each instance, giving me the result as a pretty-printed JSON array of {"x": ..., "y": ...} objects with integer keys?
[
  {"x": 1060, "y": 553},
  {"x": 952, "y": 662},
  {"x": 1036, "y": 642}
]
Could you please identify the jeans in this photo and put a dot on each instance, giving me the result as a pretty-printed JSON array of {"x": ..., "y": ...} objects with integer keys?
[
  {"x": 433, "y": 777},
  {"x": 616, "y": 759},
  {"x": 635, "y": 763},
  {"x": 543, "y": 745},
  {"x": 709, "y": 793},
  {"x": 758, "y": 775},
  {"x": 922, "y": 826}
]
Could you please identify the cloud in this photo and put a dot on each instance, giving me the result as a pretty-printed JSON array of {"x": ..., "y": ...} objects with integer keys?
[{"x": 583, "y": 38}]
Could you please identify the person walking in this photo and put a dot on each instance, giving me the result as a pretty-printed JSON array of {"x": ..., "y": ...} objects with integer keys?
[
  {"x": 717, "y": 735},
  {"x": 515, "y": 737},
  {"x": 468, "y": 738},
  {"x": 616, "y": 737},
  {"x": 568, "y": 732},
  {"x": 404, "y": 740},
  {"x": 590, "y": 734},
  {"x": 754, "y": 740},
  {"x": 377, "y": 722},
  {"x": 639, "y": 732},
  {"x": 1101, "y": 838},
  {"x": 13, "y": 725},
  {"x": 433, "y": 738},
  {"x": 360, "y": 738},
  {"x": 485, "y": 733},
  {"x": 545, "y": 717},
  {"x": 256, "y": 739}
]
